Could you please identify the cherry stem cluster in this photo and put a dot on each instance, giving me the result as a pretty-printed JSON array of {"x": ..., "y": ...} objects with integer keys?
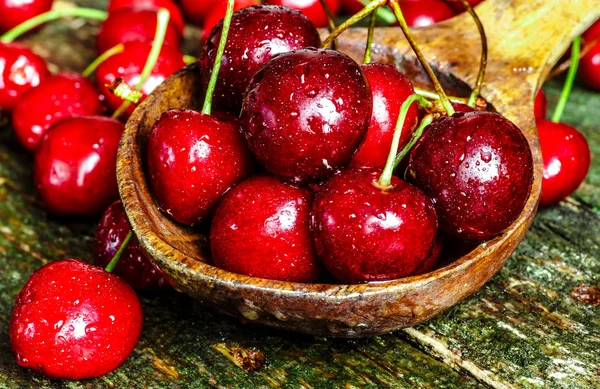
[
  {"x": 331, "y": 22},
  {"x": 113, "y": 262},
  {"x": 427, "y": 120},
  {"x": 366, "y": 11},
  {"x": 369, "y": 48},
  {"x": 566, "y": 91},
  {"x": 103, "y": 57},
  {"x": 212, "y": 82},
  {"x": 484, "y": 54}
]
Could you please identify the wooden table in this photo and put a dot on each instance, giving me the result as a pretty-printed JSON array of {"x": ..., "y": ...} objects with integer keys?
[{"x": 536, "y": 324}]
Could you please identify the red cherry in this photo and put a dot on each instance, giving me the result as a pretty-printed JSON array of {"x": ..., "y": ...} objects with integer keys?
[
  {"x": 478, "y": 169},
  {"x": 350, "y": 7},
  {"x": 592, "y": 32},
  {"x": 566, "y": 157},
  {"x": 589, "y": 67},
  {"x": 540, "y": 105},
  {"x": 132, "y": 24},
  {"x": 365, "y": 233},
  {"x": 15, "y": 12},
  {"x": 306, "y": 112},
  {"x": 462, "y": 108},
  {"x": 75, "y": 165},
  {"x": 217, "y": 13},
  {"x": 311, "y": 8},
  {"x": 390, "y": 89},
  {"x": 261, "y": 229},
  {"x": 193, "y": 159},
  {"x": 458, "y": 6},
  {"x": 61, "y": 95},
  {"x": 74, "y": 321},
  {"x": 176, "y": 16},
  {"x": 422, "y": 13},
  {"x": 432, "y": 260},
  {"x": 134, "y": 266},
  {"x": 129, "y": 64},
  {"x": 196, "y": 11},
  {"x": 20, "y": 70},
  {"x": 257, "y": 34}
]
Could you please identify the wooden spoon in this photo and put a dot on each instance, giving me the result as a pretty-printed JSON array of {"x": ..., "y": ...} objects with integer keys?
[{"x": 525, "y": 38}]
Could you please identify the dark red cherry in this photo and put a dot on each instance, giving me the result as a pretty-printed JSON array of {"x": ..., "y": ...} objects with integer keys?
[
  {"x": 20, "y": 70},
  {"x": 61, "y": 95},
  {"x": 589, "y": 67},
  {"x": 261, "y": 228},
  {"x": 350, "y": 7},
  {"x": 311, "y": 8},
  {"x": 422, "y": 13},
  {"x": 75, "y": 165},
  {"x": 193, "y": 159},
  {"x": 478, "y": 169},
  {"x": 135, "y": 266},
  {"x": 306, "y": 113},
  {"x": 462, "y": 108},
  {"x": 592, "y": 32},
  {"x": 390, "y": 89},
  {"x": 432, "y": 260},
  {"x": 175, "y": 13},
  {"x": 217, "y": 13},
  {"x": 129, "y": 64},
  {"x": 363, "y": 232},
  {"x": 133, "y": 24},
  {"x": 196, "y": 11},
  {"x": 540, "y": 105},
  {"x": 15, "y": 12},
  {"x": 566, "y": 157},
  {"x": 257, "y": 34}
]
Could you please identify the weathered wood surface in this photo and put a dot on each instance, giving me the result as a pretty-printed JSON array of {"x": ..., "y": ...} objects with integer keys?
[{"x": 524, "y": 329}]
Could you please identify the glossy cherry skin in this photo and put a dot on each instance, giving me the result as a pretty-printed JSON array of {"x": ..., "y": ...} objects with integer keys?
[
  {"x": 431, "y": 262},
  {"x": 129, "y": 64},
  {"x": 478, "y": 169},
  {"x": 175, "y": 13},
  {"x": 75, "y": 165},
  {"x": 15, "y": 12},
  {"x": 540, "y": 105},
  {"x": 193, "y": 159},
  {"x": 135, "y": 267},
  {"x": 311, "y": 8},
  {"x": 389, "y": 89},
  {"x": 589, "y": 67},
  {"x": 256, "y": 35},
  {"x": 217, "y": 14},
  {"x": 133, "y": 24},
  {"x": 422, "y": 13},
  {"x": 261, "y": 228},
  {"x": 20, "y": 70},
  {"x": 566, "y": 155},
  {"x": 306, "y": 113},
  {"x": 365, "y": 233},
  {"x": 74, "y": 321},
  {"x": 61, "y": 95}
]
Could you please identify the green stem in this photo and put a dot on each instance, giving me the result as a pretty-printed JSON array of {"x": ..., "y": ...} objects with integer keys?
[
  {"x": 386, "y": 176},
  {"x": 369, "y": 8},
  {"x": 49, "y": 16},
  {"x": 484, "y": 54},
  {"x": 113, "y": 262},
  {"x": 368, "y": 49},
  {"x": 434, "y": 96},
  {"x": 331, "y": 22},
  {"x": 103, "y": 57},
  {"x": 427, "y": 120},
  {"x": 212, "y": 82},
  {"x": 163, "y": 17},
  {"x": 383, "y": 13},
  {"x": 564, "y": 95},
  {"x": 188, "y": 59},
  {"x": 120, "y": 89},
  {"x": 436, "y": 84}
]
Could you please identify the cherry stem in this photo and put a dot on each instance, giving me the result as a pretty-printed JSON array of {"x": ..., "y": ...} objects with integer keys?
[
  {"x": 113, "y": 262},
  {"x": 427, "y": 120},
  {"x": 212, "y": 82},
  {"x": 366, "y": 11},
  {"x": 89, "y": 13},
  {"x": 189, "y": 59},
  {"x": 368, "y": 49},
  {"x": 566, "y": 91},
  {"x": 434, "y": 96},
  {"x": 331, "y": 22},
  {"x": 484, "y": 54},
  {"x": 120, "y": 89},
  {"x": 103, "y": 57},
  {"x": 567, "y": 64},
  {"x": 162, "y": 23},
  {"x": 386, "y": 176},
  {"x": 436, "y": 84}
]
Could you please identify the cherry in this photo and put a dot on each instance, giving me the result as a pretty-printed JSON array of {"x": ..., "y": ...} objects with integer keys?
[
  {"x": 15, "y": 12},
  {"x": 540, "y": 105},
  {"x": 422, "y": 13},
  {"x": 217, "y": 13},
  {"x": 196, "y": 11},
  {"x": 350, "y": 7},
  {"x": 566, "y": 157},
  {"x": 134, "y": 266},
  {"x": 365, "y": 232},
  {"x": 132, "y": 24},
  {"x": 311, "y": 8},
  {"x": 459, "y": 7},
  {"x": 174, "y": 11},
  {"x": 390, "y": 89},
  {"x": 261, "y": 228},
  {"x": 589, "y": 67},
  {"x": 193, "y": 159},
  {"x": 61, "y": 95},
  {"x": 129, "y": 64},
  {"x": 592, "y": 32},
  {"x": 20, "y": 70},
  {"x": 74, "y": 321},
  {"x": 75, "y": 165},
  {"x": 257, "y": 34},
  {"x": 306, "y": 112},
  {"x": 432, "y": 260},
  {"x": 478, "y": 169}
]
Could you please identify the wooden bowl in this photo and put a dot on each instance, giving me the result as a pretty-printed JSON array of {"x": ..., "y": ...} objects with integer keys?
[{"x": 525, "y": 37}]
